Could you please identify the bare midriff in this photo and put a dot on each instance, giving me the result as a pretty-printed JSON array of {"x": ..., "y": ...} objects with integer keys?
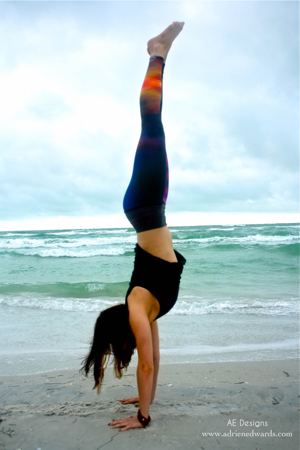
[{"x": 158, "y": 242}]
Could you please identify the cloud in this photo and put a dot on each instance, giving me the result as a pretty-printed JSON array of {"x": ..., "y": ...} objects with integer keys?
[{"x": 69, "y": 119}]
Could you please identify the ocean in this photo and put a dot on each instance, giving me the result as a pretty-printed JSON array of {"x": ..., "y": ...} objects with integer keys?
[{"x": 238, "y": 301}]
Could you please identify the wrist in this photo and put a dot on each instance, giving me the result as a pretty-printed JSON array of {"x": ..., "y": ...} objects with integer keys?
[{"x": 144, "y": 421}]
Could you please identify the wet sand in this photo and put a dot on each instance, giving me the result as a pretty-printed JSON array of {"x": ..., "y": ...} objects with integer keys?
[{"x": 60, "y": 411}]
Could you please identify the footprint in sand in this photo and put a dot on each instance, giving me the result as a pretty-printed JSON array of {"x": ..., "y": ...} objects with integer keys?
[{"x": 276, "y": 400}]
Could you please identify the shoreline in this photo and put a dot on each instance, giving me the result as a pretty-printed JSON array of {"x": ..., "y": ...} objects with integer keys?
[
  {"x": 59, "y": 410},
  {"x": 163, "y": 362}
]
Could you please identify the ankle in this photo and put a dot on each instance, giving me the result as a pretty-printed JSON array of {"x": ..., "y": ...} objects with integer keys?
[
  {"x": 157, "y": 49},
  {"x": 155, "y": 55}
]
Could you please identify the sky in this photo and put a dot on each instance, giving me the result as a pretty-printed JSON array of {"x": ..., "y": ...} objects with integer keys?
[{"x": 70, "y": 76}]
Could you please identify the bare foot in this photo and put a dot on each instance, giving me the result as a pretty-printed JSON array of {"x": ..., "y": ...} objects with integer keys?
[{"x": 161, "y": 44}]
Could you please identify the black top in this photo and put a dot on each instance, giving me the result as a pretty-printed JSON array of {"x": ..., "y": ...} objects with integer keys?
[{"x": 160, "y": 277}]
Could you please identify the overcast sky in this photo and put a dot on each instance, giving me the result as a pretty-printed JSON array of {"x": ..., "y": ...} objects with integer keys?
[{"x": 70, "y": 75}]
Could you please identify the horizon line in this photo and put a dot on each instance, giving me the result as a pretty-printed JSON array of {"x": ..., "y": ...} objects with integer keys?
[{"x": 118, "y": 221}]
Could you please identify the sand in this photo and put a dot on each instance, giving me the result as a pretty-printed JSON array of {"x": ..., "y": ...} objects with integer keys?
[{"x": 60, "y": 411}]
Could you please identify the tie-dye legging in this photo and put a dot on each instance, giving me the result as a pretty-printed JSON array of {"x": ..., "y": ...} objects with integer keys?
[{"x": 145, "y": 198}]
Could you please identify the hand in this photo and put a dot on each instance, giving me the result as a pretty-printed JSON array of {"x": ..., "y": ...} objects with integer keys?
[
  {"x": 127, "y": 423},
  {"x": 130, "y": 401}
]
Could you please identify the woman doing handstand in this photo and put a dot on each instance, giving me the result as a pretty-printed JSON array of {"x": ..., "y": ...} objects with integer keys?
[{"x": 154, "y": 284}]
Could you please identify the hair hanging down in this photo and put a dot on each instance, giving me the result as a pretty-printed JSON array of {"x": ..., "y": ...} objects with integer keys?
[{"x": 112, "y": 336}]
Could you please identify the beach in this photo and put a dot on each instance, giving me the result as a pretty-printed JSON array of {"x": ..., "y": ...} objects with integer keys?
[
  {"x": 229, "y": 347},
  {"x": 85, "y": 85},
  {"x": 59, "y": 410}
]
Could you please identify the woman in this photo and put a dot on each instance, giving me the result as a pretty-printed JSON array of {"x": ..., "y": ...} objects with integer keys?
[{"x": 154, "y": 284}]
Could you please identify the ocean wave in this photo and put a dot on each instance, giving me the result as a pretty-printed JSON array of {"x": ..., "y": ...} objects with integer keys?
[
  {"x": 88, "y": 232},
  {"x": 93, "y": 242},
  {"x": 86, "y": 247},
  {"x": 21, "y": 243},
  {"x": 61, "y": 253},
  {"x": 194, "y": 306},
  {"x": 288, "y": 344},
  {"x": 69, "y": 250},
  {"x": 66, "y": 246},
  {"x": 256, "y": 239},
  {"x": 222, "y": 229},
  {"x": 58, "y": 304},
  {"x": 185, "y": 306}
]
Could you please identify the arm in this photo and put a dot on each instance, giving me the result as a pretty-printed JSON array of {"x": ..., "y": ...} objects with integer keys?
[
  {"x": 156, "y": 359},
  {"x": 141, "y": 329},
  {"x": 156, "y": 356},
  {"x": 145, "y": 370}
]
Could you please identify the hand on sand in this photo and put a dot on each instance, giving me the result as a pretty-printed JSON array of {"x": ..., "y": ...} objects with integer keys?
[
  {"x": 130, "y": 401},
  {"x": 127, "y": 423}
]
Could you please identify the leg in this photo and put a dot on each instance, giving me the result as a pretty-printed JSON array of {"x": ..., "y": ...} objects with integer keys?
[
  {"x": 145, "y": 198},
  {"x": 149, "y": 183}
]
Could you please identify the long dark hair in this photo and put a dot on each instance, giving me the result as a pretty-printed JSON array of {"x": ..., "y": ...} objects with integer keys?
[{"x": 112, "y": 336}]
